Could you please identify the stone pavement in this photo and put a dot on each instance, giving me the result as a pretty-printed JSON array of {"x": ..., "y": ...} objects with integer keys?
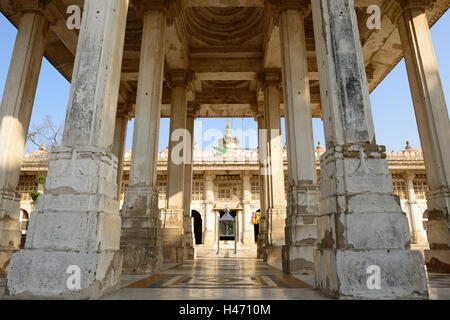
[{"x": 231, "y": 277}]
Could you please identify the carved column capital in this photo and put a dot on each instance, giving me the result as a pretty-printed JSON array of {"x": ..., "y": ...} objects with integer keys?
[
  {"x": 192, "y": 109},
  {"x": 125, "y": 111},
  {"x": 275, "y": 7},
  {"x": 395, "y": 8},
  {"x": 29, "y": 5},
  {"x": 270, "y": 78},
  {"x": 171, "y": 8},
  {"x": 178, "y": 78}
]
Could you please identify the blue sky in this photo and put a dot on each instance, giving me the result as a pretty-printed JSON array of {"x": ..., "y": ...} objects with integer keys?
[{"x": 391, "y": 102}]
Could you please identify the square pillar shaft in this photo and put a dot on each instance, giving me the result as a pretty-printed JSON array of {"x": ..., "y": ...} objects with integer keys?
[
  {"x": 363, "y": 238},
  {"x": 210, "y": 219},
  {"x": 263, "y": 187},
  {"x": 433, "y": 124},
  {"x": 179, "y": 154},
  {"x": 246, "y": 226},
  {"x": 189, "y": 237},
  {"x": 141, "y": 240},
  {"x": 76, "y": 225},
  {"x": 15, "y": 114},
  {"x": 120, "y": 136},
  {"x": 302, "y": 209},
  {"x": 276, "y": 211}
]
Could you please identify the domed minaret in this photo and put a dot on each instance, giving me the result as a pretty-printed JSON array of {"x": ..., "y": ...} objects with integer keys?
[{"x": 228, "y": 141}]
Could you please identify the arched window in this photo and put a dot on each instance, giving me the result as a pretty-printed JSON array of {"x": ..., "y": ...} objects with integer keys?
[{"x": 24, "y": 218}]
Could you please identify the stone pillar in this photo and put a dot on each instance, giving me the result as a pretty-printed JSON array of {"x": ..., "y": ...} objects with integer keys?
[
  {"x": 141, "y": 240},
  {"x": 118, "y": 148},
  {"x": 362, "y": 231},
  {"x": 418, "y": 233},
  {"x": 263, "y": 187},
  {"x": 210, "y": 219},
  {"x": 246, "y": 224},
  {"x": 432, "y": 121},
  {"x": 411, "y": 202},
  {"x": 76, "y": 224},
  {"x": 276, "y": 211},
  {"x": 189, "y": 236},
  {"x": 179, "y": 150},
  {"x": 15, "y": 114},
  {"x": 302, "y": 208}
]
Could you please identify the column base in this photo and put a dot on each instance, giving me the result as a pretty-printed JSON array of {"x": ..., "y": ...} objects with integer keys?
[
  {"x": 248, "y": 237},
  {"x": 301, "y": 230},
  {"x": 173, "y": 237},
  {"x": 363, "y": 235},
  {"x": 10, "y": 235},
  {"x": 275, "y": 237},
  {"x": 437, "y": 260},
  {"x": 346, "y": 274},
  {"x": 75, "y": 223},
  {"x": 141, "y": 231},
  {"x": 45, "y": 274},
  {"x": 208, "y": 238},
  {"x": 298, "y": 259},
  {"x": 189, "y": 239}
]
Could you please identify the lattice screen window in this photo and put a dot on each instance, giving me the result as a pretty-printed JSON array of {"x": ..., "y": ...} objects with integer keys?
[
  {"x": 228, "y": 191},
  {"x": 161, "y": 186},
  {"x": 255, "y": 190},
  {"x": 198, "y": 190},
  {"x": 400, "y": 189},
  {"x": 286, "y": 186},
  {"x": 125, "y": 179},
  {"x": 420, "y": 189},
  {"x": 27, "y": 183}
]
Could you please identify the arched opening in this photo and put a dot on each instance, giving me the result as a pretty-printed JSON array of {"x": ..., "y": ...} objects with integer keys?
[
  {"x": 256, "y": 225},
  {"x": 24, "y": 218},
  {"x": 197, "y": 226}
]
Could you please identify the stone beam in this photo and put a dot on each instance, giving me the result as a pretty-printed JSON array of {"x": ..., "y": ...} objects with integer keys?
[
  {"x": 222, "y": 3},
  {"x": 226, "y": 65},
  {"x": 176, "y": 47}
]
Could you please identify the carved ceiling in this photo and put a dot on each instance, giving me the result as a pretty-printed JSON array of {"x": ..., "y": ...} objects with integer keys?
[{"x": 226, "y": 46}]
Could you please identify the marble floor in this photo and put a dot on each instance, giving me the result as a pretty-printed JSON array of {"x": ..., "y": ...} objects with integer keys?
[
  {"x": 230, "y": 276},
  {"x": 234, "y": 277},
  {"x": 226, "y": 276}
]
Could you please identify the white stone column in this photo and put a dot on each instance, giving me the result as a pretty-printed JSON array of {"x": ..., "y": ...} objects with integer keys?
[
  {"x": 263, "y": 186},
  {"x": 141, "y": 239},
  {"x": 411, "y": 202},
  {"x": 276, "y": 211},
  {"x": 179, "y": 152},
  {"x": 15, "y": 114},
  {"x": 120, "y": 136},
  {"x": 302, "y": 208},
  {"x": 361, "y": 227},
  {"x": 433, "y": 123},
  {"x": 210, "y": 219},
  {"x": 77, "y": 221},
  {"x": 247, "y": 227},
  {"x": 189, "y": 236}
]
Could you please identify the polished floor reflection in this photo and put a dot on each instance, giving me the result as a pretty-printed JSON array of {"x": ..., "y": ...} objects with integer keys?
[
  {"x": 221, "y": 273},
  {"x": 224, "y": 276},
  {"x": 230, "y": 276}
]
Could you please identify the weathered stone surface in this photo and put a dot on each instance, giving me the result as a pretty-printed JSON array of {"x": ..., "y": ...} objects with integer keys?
[
  {"x": 345, "y": 274},
  {"x": 361, "y": 222},
  {"x": 141, "y": 231},
  {"x": 43, "y": 273},
  {"x": 15, "y": 113}
]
